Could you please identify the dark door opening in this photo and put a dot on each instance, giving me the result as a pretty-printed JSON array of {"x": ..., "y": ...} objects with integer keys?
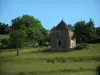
[{"x": 59, "y": 43}]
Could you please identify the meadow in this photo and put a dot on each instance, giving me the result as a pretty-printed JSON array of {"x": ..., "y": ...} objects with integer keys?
[
  {"x": 3, "y": 36},
  {"x": 32, "y": 61}
]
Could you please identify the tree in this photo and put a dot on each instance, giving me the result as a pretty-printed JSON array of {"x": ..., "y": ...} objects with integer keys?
[
  {"x": 37, "y": 36},
  {"x": 17, "y": 39},
  {"x": 98, "y": 34},
  {"x": 4, "y": 28},
  {"x": 90, "y": 29},
  {"x": 70, "y": 27},
  {"x": 4, "y": 43},
  {"x": 27, "y": 21},
  {"x": 33, "y": 35},
  {"x": 79, "y": 31},
  {"x": 84, "y": 32},
  {"x": 98, "y": 31},
  {"x": 35, "y": 31}
]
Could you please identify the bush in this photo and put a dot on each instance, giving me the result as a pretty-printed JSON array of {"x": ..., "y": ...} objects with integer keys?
[
  {"x": 84, "y": 45},
  {"x": 81, "y": 46},
  {"x": 98, "y": 70},
  {"x": 17, "y": 39},
  {"x": 4, "y": 43}
]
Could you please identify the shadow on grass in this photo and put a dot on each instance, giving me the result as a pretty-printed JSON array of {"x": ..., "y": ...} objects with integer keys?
[
  {"x": 54, "y": 71},
  {"x": 48, "y": 50},
  {"x": 72, "y": 59}
]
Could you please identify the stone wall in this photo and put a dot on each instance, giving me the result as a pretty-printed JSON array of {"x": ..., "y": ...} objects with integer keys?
[
  {"x": 72, "y": 41},
  {"x": 61, "y": 40}
]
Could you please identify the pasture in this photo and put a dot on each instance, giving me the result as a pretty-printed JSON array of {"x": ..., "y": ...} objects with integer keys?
[
  {"x": 3, "y": 36},
  {"x": 32, "y": 61}
]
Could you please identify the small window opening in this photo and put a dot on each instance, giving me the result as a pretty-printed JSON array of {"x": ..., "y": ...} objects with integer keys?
[{"x": 59, "y": 43}]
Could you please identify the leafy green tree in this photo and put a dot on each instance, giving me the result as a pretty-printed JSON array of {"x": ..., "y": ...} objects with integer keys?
[
  {"x": 84, "y": 32},
  {"x": 4, "y": 43},
  {"x": 98, "y": 31},
  {"x": 4, "y": 28},
  {"x": 70, "y": 27},
  {"x": 35, "y": 31},
  {"x": 33, "y": 35},
  {"x": 47, "y": 38},
  {"x": 27, "y": 21},
  {"x": 17, "y": 39},
  {"x": 43, "y": 39},
  {"x": 79, "y": 32},
  {"x": 98, "y": 35},
  {"x": 90, "y": 29}
]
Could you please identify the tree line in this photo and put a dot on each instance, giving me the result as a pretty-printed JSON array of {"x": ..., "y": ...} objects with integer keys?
[
  {"x": 27, "y": 31},
  {"x": 4, "y": 28},
  {"x": 86, "y": 32}
]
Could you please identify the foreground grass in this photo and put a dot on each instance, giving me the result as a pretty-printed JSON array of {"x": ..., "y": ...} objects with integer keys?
[{"x": 32, "y": 62}]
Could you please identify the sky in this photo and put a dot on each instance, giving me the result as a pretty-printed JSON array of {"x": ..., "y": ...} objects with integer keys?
[{"x": 51, "y": 12}]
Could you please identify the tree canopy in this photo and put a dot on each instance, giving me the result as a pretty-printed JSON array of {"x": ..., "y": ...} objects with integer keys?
[
  {"x": 36, "y": 33},
  {"x": 84, "y": 32},
  {"x": 27, "y": 21},
  {"x": 4, "y": 28},
  {"x": 27, "y": 30}
]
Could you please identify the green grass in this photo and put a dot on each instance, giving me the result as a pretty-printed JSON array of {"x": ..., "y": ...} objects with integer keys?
[
  {"x": 32, "y": 62},
  {"x": 4, "y": 36}
]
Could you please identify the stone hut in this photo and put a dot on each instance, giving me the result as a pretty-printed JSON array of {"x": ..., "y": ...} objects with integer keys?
[{"x": 61, "y": 37}]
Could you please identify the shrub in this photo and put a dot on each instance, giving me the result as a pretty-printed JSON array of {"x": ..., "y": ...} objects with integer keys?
[
  {"x": 81, "y": 46},
  {"x": 4, "y": 43},
  {"x": 98, "y": 70}
]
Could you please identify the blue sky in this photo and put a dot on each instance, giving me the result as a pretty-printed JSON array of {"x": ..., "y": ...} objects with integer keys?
[{"x": 51, "y": 12}]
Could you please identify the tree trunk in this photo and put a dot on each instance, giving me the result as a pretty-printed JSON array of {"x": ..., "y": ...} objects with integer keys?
[{"x": 17, "y": 52}]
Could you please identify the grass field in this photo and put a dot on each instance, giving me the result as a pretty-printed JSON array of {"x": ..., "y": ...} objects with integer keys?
[
  {"x": 32, "y": 62},
  {"x": 3, "y": 36}
]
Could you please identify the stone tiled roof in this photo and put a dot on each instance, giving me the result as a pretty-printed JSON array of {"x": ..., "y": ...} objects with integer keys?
[{"x": 62, "y": 24}]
